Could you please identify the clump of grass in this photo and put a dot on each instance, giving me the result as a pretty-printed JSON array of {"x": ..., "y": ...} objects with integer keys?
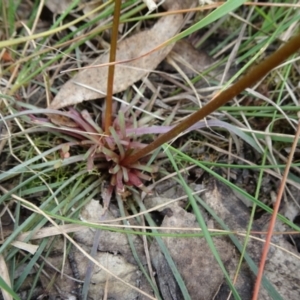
[{"x": 82, "y": 152}]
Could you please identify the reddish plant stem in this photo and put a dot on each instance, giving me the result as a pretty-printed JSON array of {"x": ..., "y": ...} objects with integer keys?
[
  {"x": 111, "y": 68},
  {"x": 254, "y": 75},
  {"x": 274, "y": 215}
]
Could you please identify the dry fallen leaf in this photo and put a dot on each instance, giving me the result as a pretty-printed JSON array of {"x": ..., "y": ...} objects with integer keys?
[
  {"x": 192, "y": 256},
  {"x": 90, "y": 6},
  {"x": 58, "y": 6},
  {"x": 283, "y": 264},
  {"x": 5, "y": 277},
  {"x": 127, "y": 73},
  {"x": 115, "y": 254},
  {"x": 192, "y": 61}
]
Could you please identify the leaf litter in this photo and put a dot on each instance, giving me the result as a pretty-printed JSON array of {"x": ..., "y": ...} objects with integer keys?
[{"x": 134, "y": 50}]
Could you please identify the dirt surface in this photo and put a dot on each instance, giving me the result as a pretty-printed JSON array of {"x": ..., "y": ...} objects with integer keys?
[{"x": 192, "y": 256}]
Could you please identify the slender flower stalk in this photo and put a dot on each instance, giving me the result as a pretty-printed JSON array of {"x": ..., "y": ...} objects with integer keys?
[
  {"x": 253, "y": 76},
  {"x": 111, "y": 68}
]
